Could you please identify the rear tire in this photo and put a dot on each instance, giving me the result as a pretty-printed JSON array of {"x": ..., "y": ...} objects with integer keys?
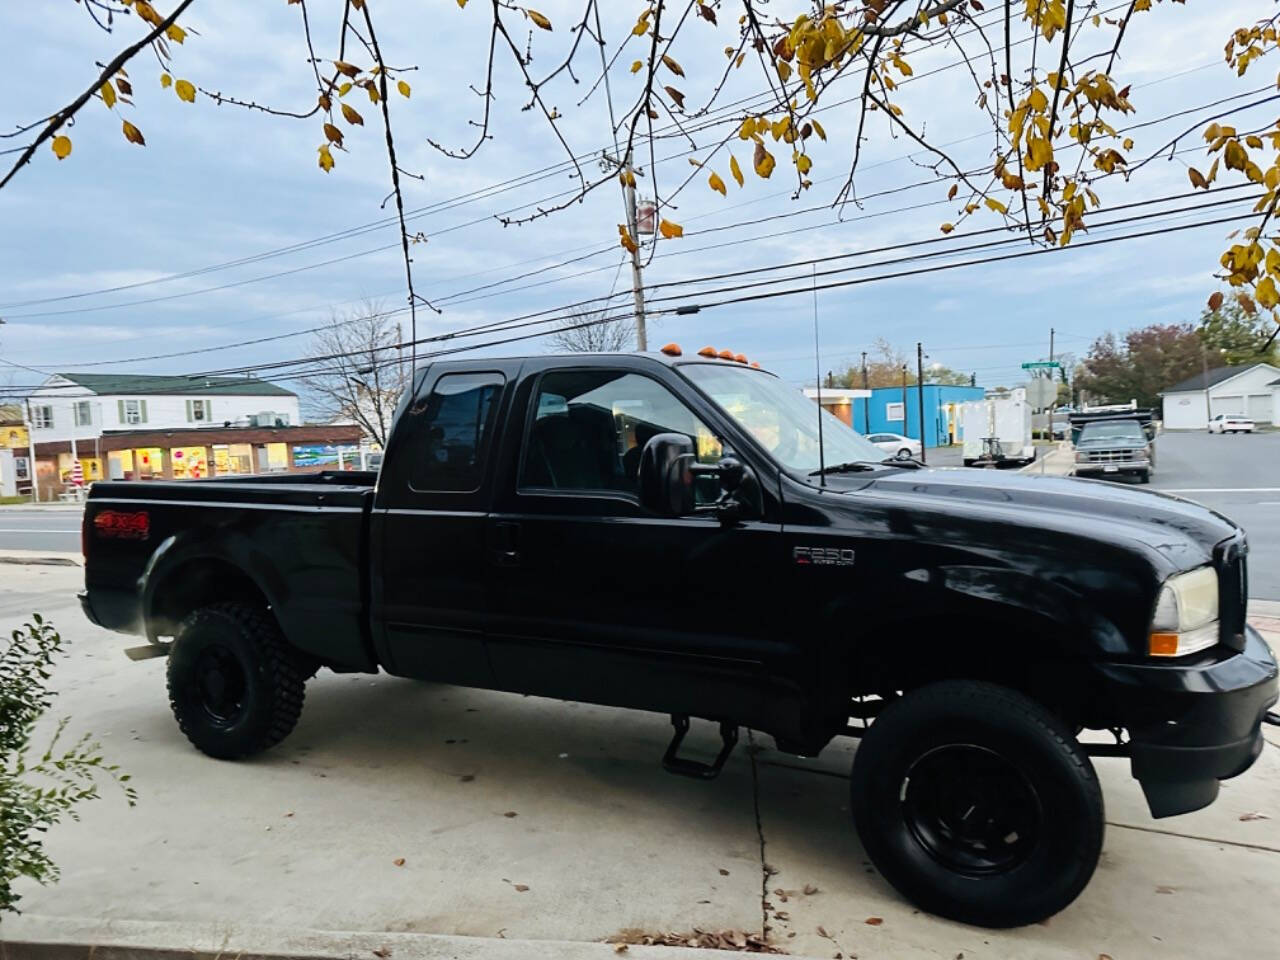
[
  {"x": 977, "y": 804},
  {"x": 235, "y": 687},
  {"x": 904, "y": 454}
]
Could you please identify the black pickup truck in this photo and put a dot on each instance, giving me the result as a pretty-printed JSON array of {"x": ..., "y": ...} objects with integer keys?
[{"x": 669, "y": 533}]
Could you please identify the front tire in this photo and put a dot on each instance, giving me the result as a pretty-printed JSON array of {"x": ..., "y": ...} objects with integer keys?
[
  {"x": 235, "y": 687},
  {"x": 904, "y": 454},
  {"x": 977, "y": 804}
]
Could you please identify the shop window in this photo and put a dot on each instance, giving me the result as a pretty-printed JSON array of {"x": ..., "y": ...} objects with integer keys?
[{"x": 189, "y": 463}]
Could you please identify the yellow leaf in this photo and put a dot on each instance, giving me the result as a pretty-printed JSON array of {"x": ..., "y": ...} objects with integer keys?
[
  {"x": 326, "y": 158},
  {"x": 133, "y": 134},
  {"x": 817, "y": 128},
  {"x": 175, "y": 33},
  {"x": 372, "y": 90},
  {"x": 351, "y": 116},
  {"x": 404, "y": 87},
  {"x": 1038, "y": 101},
  {"x": 344, "y": 89},
  {"x": 333, "y": 134},
  {"x": 624, "y": 237},
  {"x": 61, "y": 147},
  {"x": 108, "y": 93},
  {"x": 669, "y": 229},
  {"x": 185, "y": 90},
  {"x": 165, "y": 80},
  {"x": 1128, "y": 143},
  {"x": 461, "y": 4},
  {"x": 636, "y": 65},
  {"x": 641, "y": 27},
  {"x": 346, "y": 69},
  {"x": 735, "y": 169},
  {"x": 539, "y": 19},
  {"x": 803, "y": 163},
  {"x": 717, "y": 184},
  {"x": 147, "y": 12},
  {"x": 1266, "y": 293},
  {"x": 673, "y": 66},
  {"x": 763, "y": 161},
  {"x": 947, "y": 227},
  {"x": 996, "y": 205}
]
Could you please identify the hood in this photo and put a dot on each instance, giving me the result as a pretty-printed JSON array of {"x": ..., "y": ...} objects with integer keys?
[{"x": 1182, "y": 531}]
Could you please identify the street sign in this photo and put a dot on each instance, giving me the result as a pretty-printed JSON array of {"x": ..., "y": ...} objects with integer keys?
[
  {"x": 1041, "y": 392},
  {"x": 1042, "y": 365}
]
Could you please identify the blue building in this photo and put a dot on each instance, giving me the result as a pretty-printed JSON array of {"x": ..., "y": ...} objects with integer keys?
[{"x": 885, "y": 412}]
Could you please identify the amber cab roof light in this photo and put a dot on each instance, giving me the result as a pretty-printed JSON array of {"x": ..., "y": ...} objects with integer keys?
[
  {"x": 707, "y": 352},
  {"x": 725, "y": 355},
  {"x": 740, "y": 358},
  {"x": 673, "y": 350}
]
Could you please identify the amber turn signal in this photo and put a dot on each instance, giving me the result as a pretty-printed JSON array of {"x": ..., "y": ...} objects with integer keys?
[
  {"x": 673, "y": 350},
  {"x": 1162, "y": 644}
]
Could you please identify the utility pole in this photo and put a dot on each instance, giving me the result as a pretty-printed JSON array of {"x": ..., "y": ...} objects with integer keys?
[
  {"x": 906, "y": 429},
  {"x": 866, "y": 401},
  {"x": 637, "y": 283},
  {"x": 1204, "y": 366},
  {"x": 400, "y": 352},
  {"x": 920, "y": 395}
]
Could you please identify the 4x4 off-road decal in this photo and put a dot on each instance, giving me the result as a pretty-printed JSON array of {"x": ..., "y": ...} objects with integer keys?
[{"x": 823, "y": 556}]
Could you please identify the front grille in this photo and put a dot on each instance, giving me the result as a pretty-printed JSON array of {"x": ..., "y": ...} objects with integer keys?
[{"x": 1113, "y": 456}]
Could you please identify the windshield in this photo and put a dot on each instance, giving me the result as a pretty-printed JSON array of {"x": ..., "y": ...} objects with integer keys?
[
  {"x": 781, "y": 418},
  {"x": 1122, "y": 430}
]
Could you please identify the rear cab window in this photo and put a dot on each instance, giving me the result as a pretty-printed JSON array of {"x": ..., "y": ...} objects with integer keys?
[{"x": 451, "y": 432}]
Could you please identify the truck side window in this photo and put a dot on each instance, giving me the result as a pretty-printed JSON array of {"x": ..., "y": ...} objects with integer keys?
[
  {"x": 590, "y": 426},
  {"x": 450, "y": 431}
]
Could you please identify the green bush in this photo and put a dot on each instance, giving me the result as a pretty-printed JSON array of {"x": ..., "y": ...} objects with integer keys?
[{"x": 36, "y": 793}]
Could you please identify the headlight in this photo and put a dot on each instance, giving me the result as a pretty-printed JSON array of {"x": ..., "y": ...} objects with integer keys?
[
  {"x": 1186, "y": 617},
  {"x": 1082, "y": 458}
]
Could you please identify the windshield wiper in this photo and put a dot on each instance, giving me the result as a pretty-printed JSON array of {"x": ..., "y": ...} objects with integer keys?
[{"x": 854, "y": 466}]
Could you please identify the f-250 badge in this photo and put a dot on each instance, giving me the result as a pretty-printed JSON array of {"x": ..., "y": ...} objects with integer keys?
[{"x": 822, "y": 556}]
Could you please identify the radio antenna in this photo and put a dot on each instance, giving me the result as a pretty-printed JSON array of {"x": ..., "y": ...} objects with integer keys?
[{"x": 817, "y": 367}]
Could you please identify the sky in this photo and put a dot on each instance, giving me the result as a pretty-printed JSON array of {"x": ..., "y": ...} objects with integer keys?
[{"x": 216, "y": 184}]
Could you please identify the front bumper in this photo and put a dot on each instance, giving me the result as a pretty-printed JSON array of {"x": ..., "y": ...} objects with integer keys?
[
  {"x": 1102, "y": 468},
  {"x": 1191, "y": 726}
]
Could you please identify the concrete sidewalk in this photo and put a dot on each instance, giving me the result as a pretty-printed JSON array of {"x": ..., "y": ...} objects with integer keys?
[
  {"x": 436, "y": 821},
  {"x": 1056, "y": 461}
]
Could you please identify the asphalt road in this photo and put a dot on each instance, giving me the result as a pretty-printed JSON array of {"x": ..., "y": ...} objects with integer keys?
[
  {"x": 1237, "y": 475},
  {"x": 39, "y": 528}
]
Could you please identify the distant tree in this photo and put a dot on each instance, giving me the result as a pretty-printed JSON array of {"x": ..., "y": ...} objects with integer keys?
[
  {"x": 359, "y": 372},
  {"x": 586, "y": 331},
  {"x": 884, "y": 369},
  {"x": 1235, "y": 332},
  {"x": 1140, "y": 365}
]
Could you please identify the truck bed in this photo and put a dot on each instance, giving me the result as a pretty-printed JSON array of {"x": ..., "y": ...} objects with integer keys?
[{"x": 299, "y": 540}]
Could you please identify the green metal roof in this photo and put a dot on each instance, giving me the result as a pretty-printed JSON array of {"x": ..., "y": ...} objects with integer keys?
[{"x": 112, "y": 384}]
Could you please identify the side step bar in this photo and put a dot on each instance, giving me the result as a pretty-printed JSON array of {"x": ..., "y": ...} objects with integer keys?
[{"x": 693, "y": 768}]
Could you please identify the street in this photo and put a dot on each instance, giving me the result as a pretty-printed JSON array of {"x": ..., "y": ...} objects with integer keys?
[
  {"x": 1237, "y": 475},
  {"x": 39, "y": 528}
]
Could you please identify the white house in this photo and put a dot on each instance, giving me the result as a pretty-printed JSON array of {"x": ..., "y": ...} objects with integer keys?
[
  {"x": 85, "y": 405},
  {"x": 1252, "y": 390}
]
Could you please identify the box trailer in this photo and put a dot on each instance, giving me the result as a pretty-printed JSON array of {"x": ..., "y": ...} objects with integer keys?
[{"x": 997, "y": 431}]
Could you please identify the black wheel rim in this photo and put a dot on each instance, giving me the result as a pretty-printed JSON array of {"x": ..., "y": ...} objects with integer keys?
[
  {"x": 219, "y": 685},
  {"x": 971, "y": 809}
]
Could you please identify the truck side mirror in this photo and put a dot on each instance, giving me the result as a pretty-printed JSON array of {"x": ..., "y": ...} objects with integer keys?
[{"x": 666, "y": 482}]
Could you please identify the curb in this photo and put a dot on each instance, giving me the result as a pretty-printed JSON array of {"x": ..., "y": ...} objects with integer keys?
[
  {"x": 1057, "y": 462},
  {"x": 66, "y": 938},
  {"x": 45, "y": 558}
]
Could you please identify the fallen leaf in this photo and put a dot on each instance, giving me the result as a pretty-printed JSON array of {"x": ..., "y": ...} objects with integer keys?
[
  {"x": 521, "y": 887},
  {"x": 1245, "y": 817},
  {"x": 466, "y": 778},
  {"x": 822, "y": 932},
  {"x": 724, "y": 872},
  {"x": 810, "y": 889},
  {"x": 511, "y": 813},
  {"x": 1164, "y": 889},
  {"x": 289, "y": 814},
  {"x": 61, "y": 147},
  {"x": 873, "y": 921},
  {"x": 398, "y": 861},
  {"x": 620, "y": 948}
]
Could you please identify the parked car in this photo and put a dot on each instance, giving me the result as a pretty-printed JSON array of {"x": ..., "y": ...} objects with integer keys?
[
  {"x": 1119, "y": 448},
  {"x": 671, "y": 534},
  {"x": 896, "y": 445},
  {"x": 1230, "y": 423}
]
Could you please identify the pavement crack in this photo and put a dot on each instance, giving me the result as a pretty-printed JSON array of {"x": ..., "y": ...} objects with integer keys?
[
  {"x": 764, "y": 864},
  {"x": 1192, "y": 836}
]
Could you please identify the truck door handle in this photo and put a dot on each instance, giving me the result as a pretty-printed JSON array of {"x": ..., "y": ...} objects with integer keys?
[{"x": 506, "y": 539}]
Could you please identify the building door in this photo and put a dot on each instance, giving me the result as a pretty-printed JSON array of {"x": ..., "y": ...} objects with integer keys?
[{"x": 1260, "y": 407}]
